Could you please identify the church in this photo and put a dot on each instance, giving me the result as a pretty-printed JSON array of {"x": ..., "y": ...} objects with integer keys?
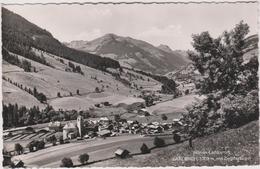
[{"x": 72, "y": 130}]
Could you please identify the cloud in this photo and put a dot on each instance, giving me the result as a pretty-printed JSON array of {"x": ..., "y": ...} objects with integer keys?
[
  {"x": 165, "y": 35},
  {"x": 89, "y": 35},
  {"x": 161, "y": 33},
  {"x": 97, "y": 12}
]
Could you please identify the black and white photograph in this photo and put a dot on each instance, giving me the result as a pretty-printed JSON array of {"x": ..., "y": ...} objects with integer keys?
[{"x": 129, "y": 84}]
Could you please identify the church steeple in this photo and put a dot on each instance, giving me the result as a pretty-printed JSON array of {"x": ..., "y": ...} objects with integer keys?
[{"x": 80, "y": 125}]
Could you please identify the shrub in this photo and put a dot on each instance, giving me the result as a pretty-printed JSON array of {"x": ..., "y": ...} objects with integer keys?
[
  {"x": 164, "y": 117},
  {"x": 146, "y": 114},
  {"x": 78, "y": 69},
  {"x": 31, "y": 146},
  {"x": 187, "y": 92},
  {"x": 66, "y": 162},
  {"x": 176, "y": 138},
  {"x": 148, "y": 100},
  {"x": 158, "y": 142},
  {"x": 239, "y": 110},
  {"x": 83, "y": 158},
  {"x": 41, "y": 97},
  {"x": 144, "y": 149},
  {"x": 26, "y": 65},
  {"x": 72, "y": 66},
  {"x": 216, "y": 113},
  {"x": 97, "y": 90},
  {"x": 18, "y": 148},
  {"x": 53, "y": 140},
  {"x": 40, "y": 145},
  {"x": 61, "y": 140}
]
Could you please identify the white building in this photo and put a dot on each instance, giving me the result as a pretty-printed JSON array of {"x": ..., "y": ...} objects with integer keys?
[{"x": 69, "y": 128}]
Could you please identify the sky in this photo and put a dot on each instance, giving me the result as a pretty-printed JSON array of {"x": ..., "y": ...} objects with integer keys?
[{"x": 169, "y": 24}]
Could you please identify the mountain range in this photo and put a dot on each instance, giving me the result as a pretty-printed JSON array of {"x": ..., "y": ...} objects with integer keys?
[{"x": 133, "y": 53}]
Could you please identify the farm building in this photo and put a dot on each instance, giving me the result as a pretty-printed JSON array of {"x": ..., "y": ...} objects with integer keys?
[
  {"x": 7, "y": 134},
  {"x": 147, "y": 92},
  {"x": 104, "y": 133},
  {"x": 55, "y": 126},
  {"x": 123, "y": 130},
  {"x": 177, "y": 124},
  {"x": 144, "y": 112},
  {"x": 103, "y": 120},
  {"x": 155, "y": 128},
  {"x": 122, "y": 153},
  {"x": 18, "y": 164},
  {"x": 28, "y": 130}
]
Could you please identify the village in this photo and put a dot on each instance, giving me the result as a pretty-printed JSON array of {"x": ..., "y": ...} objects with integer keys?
[
  {"x": 90, "y": 128},
  {"x": 29, "y": 139},
  {"x": 56, "y": 133}
]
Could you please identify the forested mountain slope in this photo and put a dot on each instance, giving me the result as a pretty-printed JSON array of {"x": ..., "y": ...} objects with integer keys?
[{"x": 20, "y": 35}]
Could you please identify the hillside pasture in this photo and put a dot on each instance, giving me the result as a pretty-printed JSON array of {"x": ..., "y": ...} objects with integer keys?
[
  {"x": 7, "y": 67},
  {"x": 85, "y": 102},
  {"x": 51, "y": 80},
  {"x": 174, "y": 106},
  {"x": 12, "y": 94},
  {"x": 71, "y": 103}
]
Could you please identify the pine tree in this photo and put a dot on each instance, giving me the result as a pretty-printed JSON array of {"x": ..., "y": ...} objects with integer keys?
[{"x": 35, "y": 93}]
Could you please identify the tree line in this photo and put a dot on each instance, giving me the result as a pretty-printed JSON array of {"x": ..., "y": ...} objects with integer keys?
[
  {"x": 24, "y": 64},
  {"x": 169, "y": 85},
  {"x": 74, "y": 68},
  {"x": 18, "y": 116}
]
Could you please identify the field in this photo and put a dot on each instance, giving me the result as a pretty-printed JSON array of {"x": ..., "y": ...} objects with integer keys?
[
  {"x": 233, "y": 147},
  {"x": 177, "y": 105},
  {"x": 24, "y": 139},
  {"x": 98, "y": 149},
  {"x": 12, "y": 93}
]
